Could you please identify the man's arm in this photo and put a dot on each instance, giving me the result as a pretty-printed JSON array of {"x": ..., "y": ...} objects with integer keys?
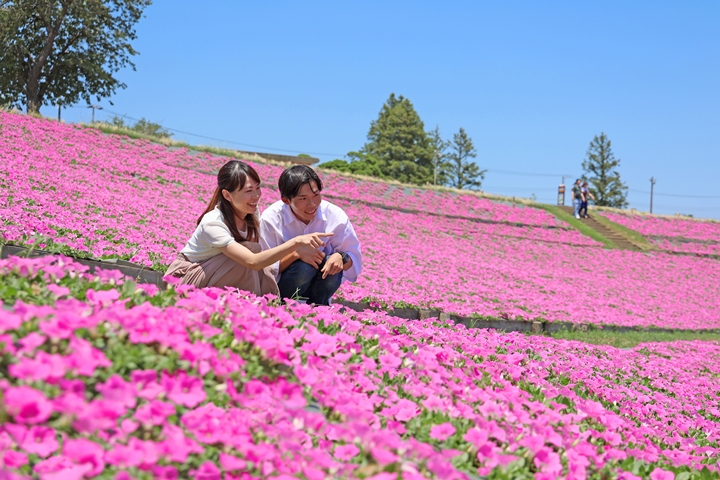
[{"x": 345, "y": 240}]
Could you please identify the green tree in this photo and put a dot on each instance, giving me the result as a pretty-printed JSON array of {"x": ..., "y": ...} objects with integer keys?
[
  {"x": 359, "y": 164},
  {"x": 143, "y": 126},
  {"x": 600, "y": 166},
  {"x": 439, "y": 146},
  {"x": 457, "y": 169},
  {"x": 398, "y": 140},
  {"x": 63, "y": 50}
]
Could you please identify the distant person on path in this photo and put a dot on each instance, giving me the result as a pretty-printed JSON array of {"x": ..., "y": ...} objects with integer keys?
[
  {"x": 584, "y": 204},
  {"x": 310, "y": 272},
  {"x": 577, "y": 198},
  {"x": 224, "y": 250}
]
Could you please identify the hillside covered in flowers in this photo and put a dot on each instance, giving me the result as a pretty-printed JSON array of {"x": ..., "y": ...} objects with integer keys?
[{"x": 77, "y": 191}]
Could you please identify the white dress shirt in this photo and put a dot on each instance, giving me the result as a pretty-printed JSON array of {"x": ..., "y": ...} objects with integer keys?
[{"x": 278, "y": 224}]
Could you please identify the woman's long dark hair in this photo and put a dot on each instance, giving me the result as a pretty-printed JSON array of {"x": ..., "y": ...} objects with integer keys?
[{"x": 232, "y": 176}]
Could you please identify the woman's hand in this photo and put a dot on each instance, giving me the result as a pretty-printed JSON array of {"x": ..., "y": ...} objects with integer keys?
[{"x": 313, "y": 240}]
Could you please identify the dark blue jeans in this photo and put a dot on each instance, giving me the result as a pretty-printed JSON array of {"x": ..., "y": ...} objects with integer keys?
[
  {"x": 306, "y": 280},
  {"x": 583, "y": 208}
]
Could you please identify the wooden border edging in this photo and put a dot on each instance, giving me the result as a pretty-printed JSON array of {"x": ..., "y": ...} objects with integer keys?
[
  {"x": 138, "y": 272},
  {"x": 143, "y": 275}
]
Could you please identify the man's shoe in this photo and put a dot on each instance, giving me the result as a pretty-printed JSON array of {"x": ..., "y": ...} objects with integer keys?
[{"x": 577, "y": 216}]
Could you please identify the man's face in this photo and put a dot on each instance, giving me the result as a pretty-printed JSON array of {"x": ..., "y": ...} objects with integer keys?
[{"x": 306, "y": 203}]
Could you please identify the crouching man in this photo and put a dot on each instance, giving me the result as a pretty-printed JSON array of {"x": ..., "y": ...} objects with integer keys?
[{"x": 314, "y": 274}]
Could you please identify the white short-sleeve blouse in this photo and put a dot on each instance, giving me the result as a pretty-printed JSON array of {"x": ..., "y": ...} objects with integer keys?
[{"x": 209, "y": 237}]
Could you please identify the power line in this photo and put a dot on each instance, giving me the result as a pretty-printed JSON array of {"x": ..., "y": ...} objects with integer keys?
[
  {"x": 502, "y": 172},
  {"x": 674, "y": 195},
  {"x": 528, "y": 174},
  {"x": 227, "y": 141}
]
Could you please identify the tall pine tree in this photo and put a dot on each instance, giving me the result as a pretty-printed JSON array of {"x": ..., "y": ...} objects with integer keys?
[
  {"x": 457, "y": 169},
  {"x": 439, "y": 146},
  {"x": 600, "y": 166},
  {"x": 398, "y": 140}
]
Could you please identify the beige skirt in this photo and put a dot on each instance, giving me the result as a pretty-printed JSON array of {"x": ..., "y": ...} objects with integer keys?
[{"x": 223, "y": 271}]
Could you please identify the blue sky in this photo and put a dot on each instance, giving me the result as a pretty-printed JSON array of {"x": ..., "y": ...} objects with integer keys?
[{"x": 531, "y": 83}]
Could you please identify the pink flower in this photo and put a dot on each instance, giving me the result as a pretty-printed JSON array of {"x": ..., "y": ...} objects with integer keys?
[
  {"x": 14, "y": 459},
  {"x": 87, "y": 453},
  {"x": 85, "y": 358},
  {"x": 442, "y": 432},
  {"x": 102, "y": 297},
  {"x": 548, "y": 461},
  {"x": 146, "y": 383},
  {"x": 207, "y": 471},
  {"x": 40, "y": 440},
  {"x": 231, "y": 463},
  {"x": 116, "y": 389},
  {"x": 390, "y": 361},
  {"x": 660, "y": 474},
  {"x": 166, "y": 473},
  {"x": 123, "y": 456},
  {"x": 183, "y": 389},
  {"x": 476, "y": 436},
  {"x": 384, "y": 476},
  {"x": 60, "y": 468},
  {"x": 9, "y": 321},
  {"x": 30, "y": 342},
  {"x": 406, "y": 410},
  {"x": 383, "y": 456},
  {"x": 27, "y": 405},
  {"x": 58, "y": 291},
  {"x": 155, "y": 412},
  {"x": 99, "y": 415},
  {"x": 346, "y": 452}
]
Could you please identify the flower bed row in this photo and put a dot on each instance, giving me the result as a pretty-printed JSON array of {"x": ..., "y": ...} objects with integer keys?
[
  {"x": 673, "y": 234},
  {"x": 436, "y": 263},
  {"x": 102, "y": 378}
]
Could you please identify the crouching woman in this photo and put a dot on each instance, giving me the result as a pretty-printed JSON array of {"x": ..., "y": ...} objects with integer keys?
[{"x": 224, "y": 250}]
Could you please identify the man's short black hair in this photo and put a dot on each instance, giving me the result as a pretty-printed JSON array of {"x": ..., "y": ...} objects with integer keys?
[{"x": 294, "y": 178}]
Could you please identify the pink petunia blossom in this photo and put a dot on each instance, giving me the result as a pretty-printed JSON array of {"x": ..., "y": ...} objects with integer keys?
[
  {"x": 346, "y": 452},
  {"x": 442, "y": 432},
  {"x": 27, "y": 405}
]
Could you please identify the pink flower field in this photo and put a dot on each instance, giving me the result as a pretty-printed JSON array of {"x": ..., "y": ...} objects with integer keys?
[
  {"x": 105, "y": 378},
  {"x": 77, "y": 191},
  {"x": 452, "y": 266},
  {"x": 673, "y": 234}
]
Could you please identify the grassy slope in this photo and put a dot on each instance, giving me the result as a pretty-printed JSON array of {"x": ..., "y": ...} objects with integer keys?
[
  {"x": 631, "y": 339},
  {"x": 580, "y": 226}
]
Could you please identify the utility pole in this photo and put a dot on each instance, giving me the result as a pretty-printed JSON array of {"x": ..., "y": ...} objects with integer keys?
[
  {"x": 561, "y": 190},
  {"x": 58, "y": 111},
  {"x": 93, "y": 111},
  {"x": 435, "y": 161},
  {"x": 652, "y": 185}
]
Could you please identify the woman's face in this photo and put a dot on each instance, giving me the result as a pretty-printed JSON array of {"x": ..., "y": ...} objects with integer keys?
[{"x": 245, "y": 199}]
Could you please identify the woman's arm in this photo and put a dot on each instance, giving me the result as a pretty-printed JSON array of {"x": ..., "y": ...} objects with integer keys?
[{"x": 258, "y": 261}]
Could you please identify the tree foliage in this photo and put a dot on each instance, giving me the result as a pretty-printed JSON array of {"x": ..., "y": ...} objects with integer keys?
[
  {"x": 359, "y": 164},
  {"x": 61, "y": 51},
  {"x": 600, "y": 166},
  {"x": 457, "y": 169},
  {"x": 143, "y": 126},
  {"x": 397, "y": 139},
  {"x": 439, "y": 146}
]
